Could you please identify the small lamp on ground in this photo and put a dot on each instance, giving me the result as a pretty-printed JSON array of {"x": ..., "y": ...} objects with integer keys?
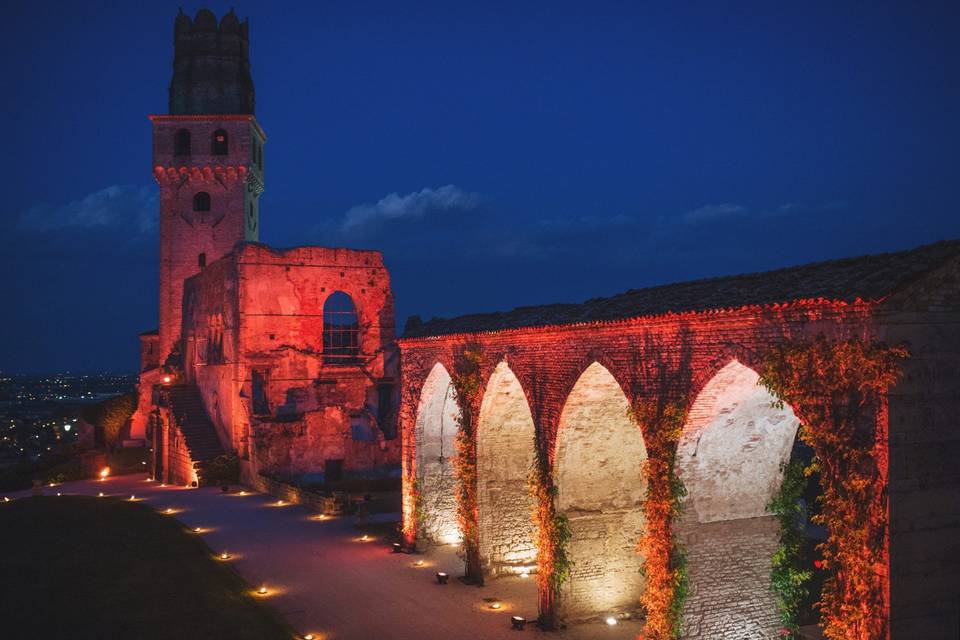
[
  {"x": 262, "y": 590},
  {"x": 517, "y": 623},
  {"x": 397, "y": 547},
  {"x": 442, "y": 577},
  {"x": 611, "y": 621},
  {"x": 224, "y": 555}
]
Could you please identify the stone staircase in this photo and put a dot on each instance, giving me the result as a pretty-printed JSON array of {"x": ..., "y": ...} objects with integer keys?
[{"x": 190, "y": 415}]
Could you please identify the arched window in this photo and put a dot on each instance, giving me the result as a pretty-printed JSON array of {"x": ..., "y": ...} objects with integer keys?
[
  {"x": 181, "y": 143},
  {"x": 219, "y": 143},
  {"x": 201, "y": 201},
  {"x": 341, "y": 330}
]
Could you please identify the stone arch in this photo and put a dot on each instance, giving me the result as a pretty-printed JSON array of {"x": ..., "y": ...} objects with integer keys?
[
  {"x": 436, "y": 432},
  {"x": 598, "y": 472},
  {"x": 730, "y": 459},
  {"x": 506, "y": 443}
]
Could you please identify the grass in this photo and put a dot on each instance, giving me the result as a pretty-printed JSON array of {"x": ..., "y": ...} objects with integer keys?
[{"x": 82, "y": 567}]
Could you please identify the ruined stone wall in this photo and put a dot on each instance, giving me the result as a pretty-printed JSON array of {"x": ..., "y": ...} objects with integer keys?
[
  {"x": 281, "y": 301},
  {"x": 924, "y": 449},
  {"x": 728, "y": 564},
  {"x": 505, "y": 454},
  {"x": 670, "y": 357}
]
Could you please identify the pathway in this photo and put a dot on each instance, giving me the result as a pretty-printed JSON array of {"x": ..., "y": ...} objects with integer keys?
[{"x": 326, "y": 581}]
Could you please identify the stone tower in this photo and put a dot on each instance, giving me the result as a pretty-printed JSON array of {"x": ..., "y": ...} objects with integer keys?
[{"x": 207, "y": 158}]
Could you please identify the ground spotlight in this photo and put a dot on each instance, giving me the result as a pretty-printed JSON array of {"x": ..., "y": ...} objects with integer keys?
[
  {"x": 442, "y": 577},
  {"x": 517, "y": 623}
]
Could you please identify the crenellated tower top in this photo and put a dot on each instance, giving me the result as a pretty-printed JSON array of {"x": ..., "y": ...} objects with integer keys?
[{"x": 211, "y": 65}]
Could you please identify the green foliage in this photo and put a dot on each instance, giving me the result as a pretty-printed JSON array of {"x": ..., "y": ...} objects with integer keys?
[
  {"x": 223, "y": 470},
  {"x": 790, "y": 579},
  {"x": 681, "y": 585},
  {"x": 110, "y": 415}
]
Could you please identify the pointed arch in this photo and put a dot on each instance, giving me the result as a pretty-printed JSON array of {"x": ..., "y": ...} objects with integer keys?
[
  {"x": 730, "y": 458},
  {"x": 505, "y": 454},
  {"x": 598, "y": 472},
  {"x": 436, "y": 432}
]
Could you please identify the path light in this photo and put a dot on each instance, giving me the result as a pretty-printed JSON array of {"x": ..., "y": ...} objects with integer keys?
[
  {"x": 309, "y": 636},
  {"x": 262, "y": 591},
  {"x": 166, "y": 379},
  {"x": 100, "y": 495},
  {"x": 168, "y": 511},
  {"x": 6, "y": 499},
  {"x": 442, "y": 577},
  {"x": 58, "y": 494},
  {"x": 104, "y": 473},
  {"x": 132, "y": 497},
  {"x": 418, "y": 563},
  {"x": 243, "y": 493},
  {"x": 224, "y": 556},
  {"x": 517, "y": 623},
  {"x": 494, "y": 605},
  {"x": 364, "y": 538},
  {"x": 163, "y": 484},
  {"x": 279, "y": 503},
  {"x": 611, "y": 621},
  {"x": 197, "y": 529},
  {"x": 397, "y": 547}
]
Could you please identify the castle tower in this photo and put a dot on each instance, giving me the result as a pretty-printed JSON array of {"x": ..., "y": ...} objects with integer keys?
[{"x": 207, "y": 157}]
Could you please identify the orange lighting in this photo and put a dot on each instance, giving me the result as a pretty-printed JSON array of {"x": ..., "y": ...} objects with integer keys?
[
  {"x": 495, "y": 605},
  {"x": 418, "y": 563},
  {"x": 100, "y": 495},
  {"x": 166, "y": 379},
  {"x": 262, "y": 591},
  {"x": 132, "y": 497},
  {"x": 364, "y": 537},
  {"x": 104, "y": 472},
  {"x": 168, "y": 510},
  {"x": 224, "y": 556}
]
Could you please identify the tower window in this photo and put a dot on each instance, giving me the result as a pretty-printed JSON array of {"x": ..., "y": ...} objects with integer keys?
[
  {"x": 201, "y": 201},
  {"x": 219, "y": 145},
  {"x": 341, "y": 330},
  {"x": 202, "y": 260},
  {"x": 181, "y": 143}
]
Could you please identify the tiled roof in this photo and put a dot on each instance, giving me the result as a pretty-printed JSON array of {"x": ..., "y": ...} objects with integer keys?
[{"x": 870, "y": 277}]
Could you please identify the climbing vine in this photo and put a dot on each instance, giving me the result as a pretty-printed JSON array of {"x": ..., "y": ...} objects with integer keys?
[
  {"x": 664, "y": 561},
  {"x": 466, "y": 383},
  {"x": 788, "y": 576},
  {"x": 553, "y": 532},
  {"x": 836, "y": 390}
]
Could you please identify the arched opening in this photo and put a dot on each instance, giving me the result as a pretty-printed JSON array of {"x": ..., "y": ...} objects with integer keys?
[
  {"x": 436, "y": 432},
  {"x": 181, "y": 143},
  {"x": 201, "y": 201},
  {"x": 598, "y": 472},
  {"x": 730, "y": 459},
  {"x": 341, "y": 330},
  {"x": 505, "y": 454},
  {"x": 219, "y": 145}
]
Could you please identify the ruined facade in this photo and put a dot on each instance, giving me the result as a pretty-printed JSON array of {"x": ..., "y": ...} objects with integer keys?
[
  {"x": 283, "y": 357},
  {"x": 571, "y": 372}
]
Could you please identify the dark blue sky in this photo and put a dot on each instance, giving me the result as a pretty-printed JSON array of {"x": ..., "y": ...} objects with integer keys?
[{"x": 538, "y": 152}]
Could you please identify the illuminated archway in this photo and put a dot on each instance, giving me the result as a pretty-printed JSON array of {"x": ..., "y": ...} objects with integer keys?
[
  {"x": 601, "y": 486},
  {"x": 505, "y": 453},
  {"x": 730, "y": 459},
  {"x": 436, "y": 430}
]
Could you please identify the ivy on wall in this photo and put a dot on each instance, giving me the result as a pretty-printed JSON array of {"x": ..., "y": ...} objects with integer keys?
[
  {"x": 664, "y": 562},
  {"x": 837, "y": 390},
  {"x": 553, "y": 535},
  {"x": 789, "y": 578},
  {"x": 467, "y": 382}
]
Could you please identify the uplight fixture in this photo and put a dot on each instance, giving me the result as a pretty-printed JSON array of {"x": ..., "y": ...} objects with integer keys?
[
  {"x": 224, "y": 556},
  {"x": 495, "y": 605},
  {"x": 611, "y": 621},
  {"x": 397, "y": 547},
  {"x": 517, "y": 623},
  {"x": 442, "y": 577},
  {"x": 262, "y": 591}
]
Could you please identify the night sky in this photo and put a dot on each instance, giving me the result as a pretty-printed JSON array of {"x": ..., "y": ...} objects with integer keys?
[{"x": 498, "y": 154}]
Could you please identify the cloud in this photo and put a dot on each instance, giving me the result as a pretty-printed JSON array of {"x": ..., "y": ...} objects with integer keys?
[
  {"x": 714, "y": 212},
  {"x": 120, "y": 207},
  {"x": 728, "y": 210},
  {"x": 585, "y": 223},
  {"x": 412, "y": 206}
]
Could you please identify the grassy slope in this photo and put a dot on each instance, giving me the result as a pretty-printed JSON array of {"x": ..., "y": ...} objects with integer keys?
[{"x": 82, "y": 567}]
